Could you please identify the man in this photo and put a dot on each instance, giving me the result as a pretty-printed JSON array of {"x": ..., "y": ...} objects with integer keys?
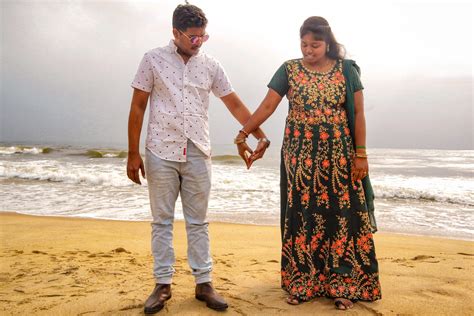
[{"x": 178, "y": 79}]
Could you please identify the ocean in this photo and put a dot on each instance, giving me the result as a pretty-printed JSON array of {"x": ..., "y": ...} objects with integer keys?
[{"x": 423, "y": 192}]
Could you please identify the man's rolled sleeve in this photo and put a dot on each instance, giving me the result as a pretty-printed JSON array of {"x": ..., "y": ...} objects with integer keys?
[
  {"x": 144, "y": 77},
  {"x": 221, "y": 85}
]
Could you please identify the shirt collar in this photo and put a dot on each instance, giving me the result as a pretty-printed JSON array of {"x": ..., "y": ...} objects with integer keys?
[{"x": 174, "y": 49}]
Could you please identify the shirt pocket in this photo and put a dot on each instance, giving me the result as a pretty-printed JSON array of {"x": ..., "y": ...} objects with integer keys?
[
  {"x": 198, "y": 87},
  {"x": 199, "y": 80}
]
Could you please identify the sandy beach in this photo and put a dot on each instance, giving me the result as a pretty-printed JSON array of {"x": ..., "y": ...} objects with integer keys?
[{"x": 71, "y": 266}]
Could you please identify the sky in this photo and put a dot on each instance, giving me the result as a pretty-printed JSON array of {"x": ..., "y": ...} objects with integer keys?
[{"x": 66, "y": 66}]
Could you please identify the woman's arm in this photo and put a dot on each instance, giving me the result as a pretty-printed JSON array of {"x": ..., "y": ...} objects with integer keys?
[
  {"x": 263, "y": 112},
  {"x": 361, "y": 166}
]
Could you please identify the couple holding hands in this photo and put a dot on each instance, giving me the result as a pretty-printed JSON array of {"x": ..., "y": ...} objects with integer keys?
[{"x": 326, "y": 198}]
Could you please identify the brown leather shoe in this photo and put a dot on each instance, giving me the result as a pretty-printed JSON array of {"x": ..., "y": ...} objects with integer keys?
[
  {"x": 205, "y": 292},
  {"x": 156, "y": 301}
]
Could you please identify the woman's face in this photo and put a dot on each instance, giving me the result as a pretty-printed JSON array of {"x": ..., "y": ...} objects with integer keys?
[{"x": 313, "y": 50}]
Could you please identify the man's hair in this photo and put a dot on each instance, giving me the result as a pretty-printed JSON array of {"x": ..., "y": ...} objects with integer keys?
[{"x": 188, "y": 15}]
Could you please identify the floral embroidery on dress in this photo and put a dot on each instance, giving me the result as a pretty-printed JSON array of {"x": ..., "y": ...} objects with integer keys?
[{"x": 328, "y": 247}]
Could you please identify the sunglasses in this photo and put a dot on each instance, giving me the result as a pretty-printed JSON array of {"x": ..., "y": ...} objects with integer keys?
[{"x": 194, "y": 39}]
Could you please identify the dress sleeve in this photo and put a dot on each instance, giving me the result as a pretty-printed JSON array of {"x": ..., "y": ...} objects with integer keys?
[
  {"x": 144, "y": 77},
  {"x": 355, "y": 79},
  {"x": 279, "y": 81}
]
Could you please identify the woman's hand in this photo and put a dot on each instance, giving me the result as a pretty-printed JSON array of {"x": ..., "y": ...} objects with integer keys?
[
  {"x": 260, "y": 150},
  {"x": 361, "y": 168}
]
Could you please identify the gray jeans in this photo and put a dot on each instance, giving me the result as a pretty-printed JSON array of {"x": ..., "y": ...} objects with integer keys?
[{"x": 192, "y": 179}]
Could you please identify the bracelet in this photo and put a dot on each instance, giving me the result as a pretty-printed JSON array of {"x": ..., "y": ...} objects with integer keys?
[
  {"x": 244, "y": 132},
  {"x": 360, "y": 147},
  {"x": 239, "y": 141},
  {"x": 357, "y": 155}
]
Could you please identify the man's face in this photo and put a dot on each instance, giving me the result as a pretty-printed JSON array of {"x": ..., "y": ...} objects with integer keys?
[{"x": 190, "y": 41}]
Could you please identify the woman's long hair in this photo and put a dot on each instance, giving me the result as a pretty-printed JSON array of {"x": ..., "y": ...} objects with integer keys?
[{"x": 319, "y": 27}]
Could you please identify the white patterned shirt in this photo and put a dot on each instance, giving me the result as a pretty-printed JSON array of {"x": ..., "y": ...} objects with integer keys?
[{"x": 179, "y": 99}]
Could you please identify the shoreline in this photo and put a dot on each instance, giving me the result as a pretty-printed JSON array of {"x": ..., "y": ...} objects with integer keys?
[
  {"x": 124, "y": 146},
  {"x": 70, "y": 266},
  {"x": 410, "y": 234}
]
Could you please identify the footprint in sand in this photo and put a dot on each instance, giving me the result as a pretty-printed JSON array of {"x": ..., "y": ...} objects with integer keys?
[
  {"x": 37, "y": 252},
  {"x": 227, "y": 281},
  {"x": 52, "y": 280},
  {"x": 424, "y": 258},
  {"x": 70, "y": 270},
  {"x": 465, "y": 254},
  {"x": 120, "y": 250},
  {"x": 403, "y": 262},
  {"x": 25, "y": 301},
  {"x": 134, "y": 306},
  {"x": 4, "y": 277},
  {"x": 84, "y": 313},
  {"x": 436, "y": 292},
  {"x": 227, "y": 264},
  {"x": 17, "y": 252},
  {"x": 19, "y": 276}
]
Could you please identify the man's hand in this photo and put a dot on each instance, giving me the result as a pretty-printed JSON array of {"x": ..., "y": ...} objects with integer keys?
[
  {"x": 259, "y": 152},
  {"x": 245, "y": 152},
  {"x": 134, "y": 164},
  {"x": 135, "y": 120}
]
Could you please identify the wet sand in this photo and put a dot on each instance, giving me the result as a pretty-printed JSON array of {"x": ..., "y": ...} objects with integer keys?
[{"x": 70, "y": 266}]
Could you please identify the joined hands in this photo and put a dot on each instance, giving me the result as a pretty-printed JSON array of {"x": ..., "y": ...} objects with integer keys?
[{"x": 249, "y": 155}]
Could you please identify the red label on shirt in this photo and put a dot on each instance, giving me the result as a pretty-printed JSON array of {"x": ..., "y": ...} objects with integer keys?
[{"x": 184, "y": 151}]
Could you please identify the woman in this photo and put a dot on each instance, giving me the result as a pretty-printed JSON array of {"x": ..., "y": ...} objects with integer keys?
[{"x": 327, "y": 244}]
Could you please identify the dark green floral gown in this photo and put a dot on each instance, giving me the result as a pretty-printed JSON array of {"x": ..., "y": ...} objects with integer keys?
[{"x": 327, "y": 244}]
